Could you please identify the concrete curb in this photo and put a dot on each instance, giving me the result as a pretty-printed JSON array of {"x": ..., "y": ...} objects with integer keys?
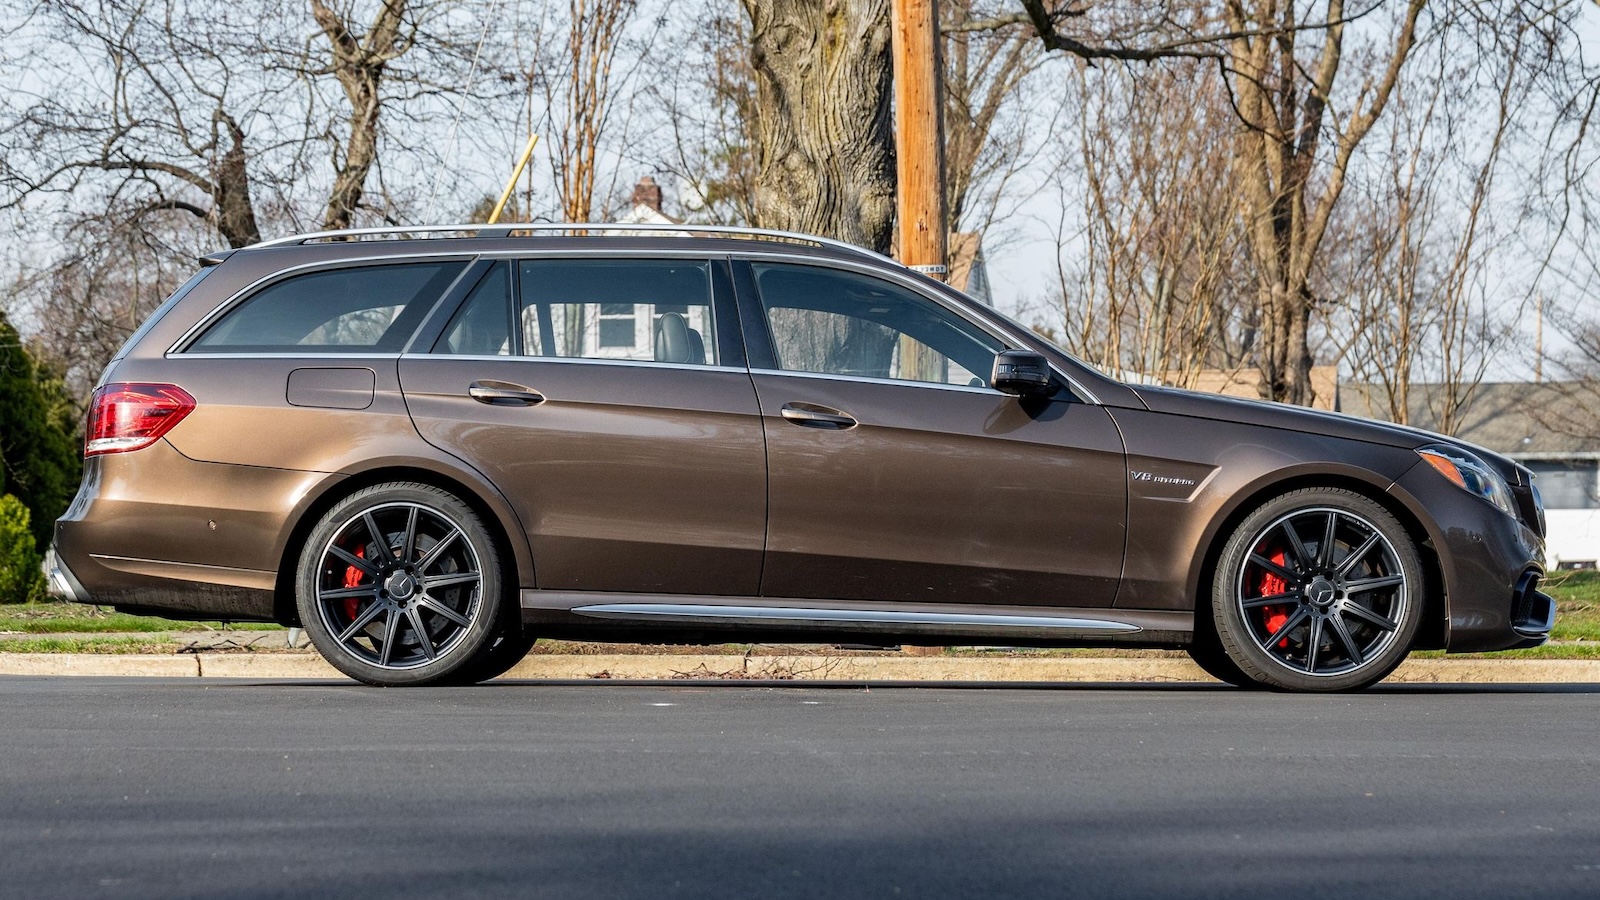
[{"x": 931, "y": 669}]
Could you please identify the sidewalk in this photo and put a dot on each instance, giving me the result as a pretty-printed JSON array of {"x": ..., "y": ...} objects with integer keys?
[{"x": 865, "y": 669}]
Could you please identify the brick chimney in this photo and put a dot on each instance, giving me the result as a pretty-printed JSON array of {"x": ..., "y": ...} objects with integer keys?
[{"x": 647, "y": 193}]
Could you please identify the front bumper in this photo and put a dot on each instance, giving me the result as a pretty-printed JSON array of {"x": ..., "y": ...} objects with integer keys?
[{"x": 1491, "y": 564}]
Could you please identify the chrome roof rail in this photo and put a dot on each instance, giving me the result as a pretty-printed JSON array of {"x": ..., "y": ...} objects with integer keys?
[{"x": 511, "y": 229}]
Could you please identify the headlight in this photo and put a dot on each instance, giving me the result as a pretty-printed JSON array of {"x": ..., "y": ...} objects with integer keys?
[{"x": 1470, "y": 474}]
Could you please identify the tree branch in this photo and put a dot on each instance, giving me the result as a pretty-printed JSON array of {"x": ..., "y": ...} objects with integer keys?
[{"x": 1198, "y": 46}]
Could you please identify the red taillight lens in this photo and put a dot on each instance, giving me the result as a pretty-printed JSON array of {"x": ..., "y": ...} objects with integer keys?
[{"x": 124, "y": 416}]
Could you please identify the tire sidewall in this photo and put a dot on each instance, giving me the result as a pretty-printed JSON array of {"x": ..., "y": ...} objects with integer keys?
[
  {"x": 1233, "y": 631},
  {"x": 479, "y": 634}
]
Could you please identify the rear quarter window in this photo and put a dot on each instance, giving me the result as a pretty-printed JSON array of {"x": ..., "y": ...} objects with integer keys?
[{"x": 347, "y": 310}]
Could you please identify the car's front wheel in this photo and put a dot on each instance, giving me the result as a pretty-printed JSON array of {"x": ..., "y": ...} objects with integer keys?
[
  {"x": 400, "y": 584},
  {"x": 1318, "y": 590}
]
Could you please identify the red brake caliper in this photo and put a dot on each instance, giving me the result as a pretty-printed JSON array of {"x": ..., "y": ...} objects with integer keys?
[
  {"x": 1275, "y": 615},
  {"x": 352, "y": 578}
]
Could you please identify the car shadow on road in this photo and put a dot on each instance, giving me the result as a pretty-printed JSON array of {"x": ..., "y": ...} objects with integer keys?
[
  {"x": 1129, "y": 687},
  {"x": 1176, "y": 687}
]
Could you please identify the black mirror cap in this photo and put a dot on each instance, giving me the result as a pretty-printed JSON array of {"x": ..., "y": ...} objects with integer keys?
[{"x": 1023, "y": 373}]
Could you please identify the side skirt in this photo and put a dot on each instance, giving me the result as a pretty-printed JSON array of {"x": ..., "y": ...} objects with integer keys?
[{"x": 699, "y": 619}]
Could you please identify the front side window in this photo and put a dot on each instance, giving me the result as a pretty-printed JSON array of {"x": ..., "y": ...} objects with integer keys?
[
  {"x": 834, "y": 322},
  {"x": 349, "y": 310}
]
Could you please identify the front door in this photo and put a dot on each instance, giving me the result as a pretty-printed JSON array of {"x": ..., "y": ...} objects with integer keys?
[
  {"x": 599, "y": 397},
  {"x": 896, "y": 473}
]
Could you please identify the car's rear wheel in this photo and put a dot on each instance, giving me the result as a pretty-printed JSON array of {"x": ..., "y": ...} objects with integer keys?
[
  {"x": 1318, "y": 590},
  {"x": 400, "y": 584}
]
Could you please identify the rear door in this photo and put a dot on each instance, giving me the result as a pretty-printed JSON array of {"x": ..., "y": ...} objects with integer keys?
[
  {"x": 897, "y": 474},
  {"x": 609, "y": 400}
]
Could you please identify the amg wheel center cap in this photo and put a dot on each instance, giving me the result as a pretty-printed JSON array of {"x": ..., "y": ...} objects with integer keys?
[
  {"x": 1321, "y": 592},
  {"x": 400, "y": 585}
]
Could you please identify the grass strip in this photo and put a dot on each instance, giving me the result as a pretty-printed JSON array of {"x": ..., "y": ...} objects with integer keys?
[
  {"x": 107, "y": 645},
  {"x": 74, "y": 618}
]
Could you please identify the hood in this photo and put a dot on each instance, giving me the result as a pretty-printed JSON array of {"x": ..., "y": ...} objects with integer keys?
[{"x": 1178, "y": 402}]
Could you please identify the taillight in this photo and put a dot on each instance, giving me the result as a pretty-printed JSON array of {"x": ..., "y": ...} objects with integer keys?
[{"x": 125, "y": 416}]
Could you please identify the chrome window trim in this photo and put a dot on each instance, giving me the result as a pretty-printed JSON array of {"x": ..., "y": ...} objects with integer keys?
[
  {"x": 268, "y": 354},
  {"x": 181, "y": 344},
  {"x": 580, "y": 360},
  {"x": 872, "y": 379},
  {"x": 996, "y": 328}
]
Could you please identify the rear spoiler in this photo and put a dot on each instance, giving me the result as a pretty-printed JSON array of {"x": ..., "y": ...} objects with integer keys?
[{"x": 214, "y": 259}]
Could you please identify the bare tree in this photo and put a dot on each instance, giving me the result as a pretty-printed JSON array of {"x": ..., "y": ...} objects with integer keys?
[
  {"x": 1424, "y": 273},
  {"x": 164, "y": 124},
  {"x": 219, "y": 111},
  {"x": 1153, "y": 282},
  {"x": 149, "y": 129},
  {"x": 1291, "y": 185},
  {"x": 986, "y": 110},
  {"x": 111, "y": 274},
  {"x": 582, "y": 89},
  {"x": 359, "y": 59},
  {"x": 709, "y": 102}
]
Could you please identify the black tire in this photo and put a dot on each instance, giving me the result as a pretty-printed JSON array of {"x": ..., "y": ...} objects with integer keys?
[
  {"x": 502, "y": 654},
  {"x": 1207, "y": 653},
  {"x": 401, "y": 585},
  {"x": 1319, "y": 589}
]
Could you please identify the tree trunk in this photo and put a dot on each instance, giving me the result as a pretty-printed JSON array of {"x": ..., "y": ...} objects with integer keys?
[
  {"x": 1283, "y": 100},
  {"x": 358, "y": 62},
  {"x": 824, "y": 134},
  {"x": 235, "y": 214}
]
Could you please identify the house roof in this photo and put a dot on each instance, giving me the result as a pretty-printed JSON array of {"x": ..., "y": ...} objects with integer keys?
[{"x": 1553, "y": 419}]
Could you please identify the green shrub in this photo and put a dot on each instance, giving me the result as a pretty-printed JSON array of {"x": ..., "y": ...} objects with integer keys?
[
  {"x": 20, "y": 577},
  {"x": 40, "y": 459}
]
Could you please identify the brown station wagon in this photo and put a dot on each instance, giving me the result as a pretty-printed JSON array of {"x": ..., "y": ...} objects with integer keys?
[{"x": 429, "y": 448}]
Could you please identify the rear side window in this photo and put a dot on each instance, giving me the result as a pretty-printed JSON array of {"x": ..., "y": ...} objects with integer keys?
[
  {"x": 642, "y": 310},
  {"x": 350, "y": 310},
  {"x": 637, "y": 309},
  {"x": 482, "y": 327}
]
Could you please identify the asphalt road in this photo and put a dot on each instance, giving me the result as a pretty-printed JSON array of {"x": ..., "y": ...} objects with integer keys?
[{"x": 183, "y": 788}]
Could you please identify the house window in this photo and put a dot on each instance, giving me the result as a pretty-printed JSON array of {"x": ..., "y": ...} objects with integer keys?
[
  {"x": 1568, "y": 484},
  {"x": 617, "y": 325}
]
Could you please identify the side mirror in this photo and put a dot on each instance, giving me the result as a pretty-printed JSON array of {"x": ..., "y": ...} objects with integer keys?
[{"x": 1022, "y": 373}]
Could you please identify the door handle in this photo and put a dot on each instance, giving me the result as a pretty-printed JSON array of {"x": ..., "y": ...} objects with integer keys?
[
  {"x": 500, "y": 393},
  {"x": 810, "y": 415}
]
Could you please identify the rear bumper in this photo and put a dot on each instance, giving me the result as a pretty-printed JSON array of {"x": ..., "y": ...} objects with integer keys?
[
  {"x": 155, "y": 531},
  {"x": 63, "y": 584}
]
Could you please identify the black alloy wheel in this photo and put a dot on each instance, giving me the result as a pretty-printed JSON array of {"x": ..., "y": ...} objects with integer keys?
[
  {"x": 1318, "y": 590},
  {"x": 400, "y": 584}
]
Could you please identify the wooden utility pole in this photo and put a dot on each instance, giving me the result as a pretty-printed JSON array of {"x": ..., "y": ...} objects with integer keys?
[{"x": 921, "y": 230}]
